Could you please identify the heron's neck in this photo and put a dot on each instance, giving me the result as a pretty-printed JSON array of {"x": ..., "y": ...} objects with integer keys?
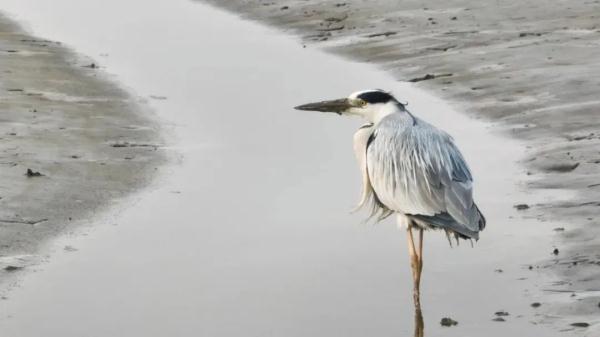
[{"x": 385, "y": 110}]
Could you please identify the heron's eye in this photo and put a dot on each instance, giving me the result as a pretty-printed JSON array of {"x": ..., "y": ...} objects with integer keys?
[{"x": 360, "y": 103}]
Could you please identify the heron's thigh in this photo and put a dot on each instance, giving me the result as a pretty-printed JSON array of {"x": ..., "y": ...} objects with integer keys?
[{"x": 403, "y": 221}]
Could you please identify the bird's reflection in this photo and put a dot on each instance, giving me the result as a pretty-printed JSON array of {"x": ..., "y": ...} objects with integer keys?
[{"x": 419, "y": 324}]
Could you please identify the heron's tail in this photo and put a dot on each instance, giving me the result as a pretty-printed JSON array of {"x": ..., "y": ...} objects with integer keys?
[
  {"x": 482, "y": 220},
  {"x": 446, "y": 222}
]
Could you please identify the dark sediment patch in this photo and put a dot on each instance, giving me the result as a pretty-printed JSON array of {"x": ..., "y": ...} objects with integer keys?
[{"x": 428, "y": 77}]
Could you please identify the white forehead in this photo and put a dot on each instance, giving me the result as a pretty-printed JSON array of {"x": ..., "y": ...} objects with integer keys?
[{"x": 355, "y": 95}]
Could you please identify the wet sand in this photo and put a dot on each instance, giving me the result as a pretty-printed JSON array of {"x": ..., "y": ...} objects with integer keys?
[
  {"x": 532, "y": 68},
  {"x": 86, "y": 143}
]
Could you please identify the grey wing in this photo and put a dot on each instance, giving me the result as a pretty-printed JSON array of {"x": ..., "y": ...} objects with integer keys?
[{"x": 417, "y": 170}]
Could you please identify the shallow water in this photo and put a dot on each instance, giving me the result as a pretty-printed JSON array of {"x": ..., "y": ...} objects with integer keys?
[{"x": 250, "y": 234}]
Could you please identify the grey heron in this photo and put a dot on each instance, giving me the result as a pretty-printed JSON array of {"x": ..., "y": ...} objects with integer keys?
[{"x": 409, "y": 168}]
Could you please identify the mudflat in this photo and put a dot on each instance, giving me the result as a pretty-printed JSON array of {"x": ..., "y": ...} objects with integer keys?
[
  {"x": 514, "y": 64},
  {"x": 71, "y": 143}
]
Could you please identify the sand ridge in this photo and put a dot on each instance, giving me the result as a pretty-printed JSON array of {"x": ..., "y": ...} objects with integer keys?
[{"x": 71, "y": 143}]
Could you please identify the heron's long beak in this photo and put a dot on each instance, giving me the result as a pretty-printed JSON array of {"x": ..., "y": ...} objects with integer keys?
[{"x": 337, "y": 105}]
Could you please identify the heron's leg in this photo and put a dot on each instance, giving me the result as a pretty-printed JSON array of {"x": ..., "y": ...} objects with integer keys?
[
  {"x": 414, "y": 264},
  {"x": 420, "y": 252}
]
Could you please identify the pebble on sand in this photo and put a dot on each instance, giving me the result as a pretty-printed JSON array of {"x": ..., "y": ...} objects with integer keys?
[
  {"x": 447, "y": 321},
  {"x": 30, "y": 173}
]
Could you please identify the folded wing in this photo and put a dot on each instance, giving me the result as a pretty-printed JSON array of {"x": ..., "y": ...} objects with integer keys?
[{"x": 416, "y": 169}]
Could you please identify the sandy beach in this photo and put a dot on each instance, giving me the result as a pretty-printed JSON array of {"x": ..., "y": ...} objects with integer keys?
[
  {"x": 251, "y": 233},
  {"x": 531, "y": 68},
  {"x": 72, "y": 144}
]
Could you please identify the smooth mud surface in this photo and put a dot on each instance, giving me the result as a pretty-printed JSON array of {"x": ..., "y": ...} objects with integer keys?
[
  {"x": 71, "y": 143},
  {"x": 531, "y": 66},
  {"x": 252, "y": 235}
]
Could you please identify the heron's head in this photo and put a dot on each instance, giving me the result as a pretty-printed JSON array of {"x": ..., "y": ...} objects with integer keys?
[{"x": 369, "y": 104}]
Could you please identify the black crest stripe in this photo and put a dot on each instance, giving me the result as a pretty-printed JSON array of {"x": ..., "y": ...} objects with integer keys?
[{"x": 374, "y": 97}]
